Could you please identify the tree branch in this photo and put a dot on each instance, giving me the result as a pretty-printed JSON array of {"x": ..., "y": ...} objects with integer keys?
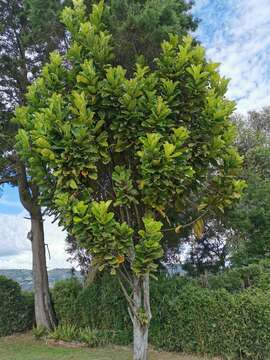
[
  {"x": 24, "y": 190},
  {"x": 8, "y": 180},
  {"x": 188, "y": 224},
  {"x": 128, "y": 298},
  {"x": 146, "y": 296}
]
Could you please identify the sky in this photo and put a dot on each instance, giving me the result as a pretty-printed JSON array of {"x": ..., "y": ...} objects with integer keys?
[{"x": 236, "y": 33}]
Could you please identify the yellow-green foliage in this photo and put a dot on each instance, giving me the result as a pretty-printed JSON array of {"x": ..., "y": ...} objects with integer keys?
[{"x": 113, "y": 155}]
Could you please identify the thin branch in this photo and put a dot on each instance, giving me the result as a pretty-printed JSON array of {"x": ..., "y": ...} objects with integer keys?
[
  {"x": 130, "y": 315},
  {"x": 9, "y": 179},
  {"x": 126, "y": 277},
  {"x": 127, "y": 215},
  {"x": 128, "y": 298},
  {"x": 188, "y": 224},
  {"x": 137, "y": 215},
  {"x": 122, "y": 215}
]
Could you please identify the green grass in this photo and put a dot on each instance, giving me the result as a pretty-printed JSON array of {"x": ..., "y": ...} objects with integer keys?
[{"x": 23, "y": 347}]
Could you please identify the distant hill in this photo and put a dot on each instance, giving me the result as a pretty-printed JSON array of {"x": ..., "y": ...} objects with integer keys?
[{"x": 25, "y": 279}]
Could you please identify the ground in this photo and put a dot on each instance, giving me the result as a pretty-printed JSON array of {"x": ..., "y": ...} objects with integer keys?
[{"x": 23, "y": 347}]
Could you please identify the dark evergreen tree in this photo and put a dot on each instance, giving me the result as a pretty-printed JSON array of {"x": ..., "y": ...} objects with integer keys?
[{"x": 29, "y": 31}]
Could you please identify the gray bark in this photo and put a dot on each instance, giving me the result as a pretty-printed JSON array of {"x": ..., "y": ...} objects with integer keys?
[
  {"x": 29, "y": 198},
  {"x": 141, "y": 301},
  {"x": 43, "y": 307}
]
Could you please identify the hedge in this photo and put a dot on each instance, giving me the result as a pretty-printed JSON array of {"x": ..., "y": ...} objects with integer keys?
[
  {"x": 16, "y": 308},
  {"x": 186, "y": 316},
  {"x": 99, "y": 306},
  {"x": 235, "y": 326},
  {"x": 238, "y": 279},
  {"x": 64, "y": 298}
]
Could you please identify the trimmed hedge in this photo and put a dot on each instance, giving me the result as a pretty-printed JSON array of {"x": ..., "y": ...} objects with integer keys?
[
  {"x": 198, "y": 320},
  {"x": 16, "y": 308},
  {"x": 65, "y": 294},
  {"x": 235, "y": 280},
  {"x": 186, "y": 316},
  {"x": 99, "y": 306}
]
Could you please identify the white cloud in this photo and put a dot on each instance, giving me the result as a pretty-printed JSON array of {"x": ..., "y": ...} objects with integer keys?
[
  {"x": 15, "y": 248},
  {"x": 242, "y": 45},
  {"x": 199, "y": 4}
]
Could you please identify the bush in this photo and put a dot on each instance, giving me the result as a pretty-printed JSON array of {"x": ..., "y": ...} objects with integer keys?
[
  {"x": 213, "y": 322},
  {"x": 91, "y": 337},
  {"x": 65, "y": 332},
  {"x": 17, "y": 308},
  {"x": 92, "y": 306},
  {"x": 64, "y": 294},
  {"x": 186, "y": 317},
  {"x": 100, "y": 298},
  {"x": 238, "y": 279},
  {"x": 40, "y": 332}
]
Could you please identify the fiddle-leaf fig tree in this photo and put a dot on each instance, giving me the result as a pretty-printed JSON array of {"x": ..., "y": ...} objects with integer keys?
[{"x": 113, "y": 155}]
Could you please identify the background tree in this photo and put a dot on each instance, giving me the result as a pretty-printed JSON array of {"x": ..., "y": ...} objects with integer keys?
[
  {"x": 139, "y": 27},
  {"x": 244, "y": 229},
  {"x": 210, "y": 253},
  {"x": 250, "y": 219},
  {"x": 29, "y": 31},
  {"x": 112, "y": 155}
]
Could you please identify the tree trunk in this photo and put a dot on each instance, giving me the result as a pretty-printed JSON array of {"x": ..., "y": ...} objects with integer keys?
[
  {"x": 141, "y": 318},
  {"x": 140, "y": 341},
  {"x": 43, "y": 307},
  {"x": 29, "y": 198}
]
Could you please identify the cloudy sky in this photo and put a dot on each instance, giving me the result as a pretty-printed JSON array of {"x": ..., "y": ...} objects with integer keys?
[{"x": 236, "y": 33}]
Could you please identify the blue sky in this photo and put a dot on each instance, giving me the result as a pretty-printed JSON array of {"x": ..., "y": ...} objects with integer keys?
[
  {"x": 9, "y": 201},
  {"x": 236, "y": 33}
]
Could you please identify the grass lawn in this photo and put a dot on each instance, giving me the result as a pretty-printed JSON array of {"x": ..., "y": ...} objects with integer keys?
[{"x": 23, "y": 347}]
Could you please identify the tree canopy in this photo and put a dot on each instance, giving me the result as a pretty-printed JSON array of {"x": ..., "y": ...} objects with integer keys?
[
  {"x": 242, "y": 234},
  {"x": 250, "y": 219}
]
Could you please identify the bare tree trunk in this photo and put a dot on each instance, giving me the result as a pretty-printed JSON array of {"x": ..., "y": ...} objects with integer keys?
[
  {"x": 29, "y": 198},
  {"x": 43, "y": 307},
  {"x": 141, "y": 318}
]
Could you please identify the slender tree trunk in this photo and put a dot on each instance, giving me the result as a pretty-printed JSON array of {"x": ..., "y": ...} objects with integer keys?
[
  {"x": 141, "y": 318},
  {"x": 43, "y": 307},
  {"x": 140, "y": 341}
]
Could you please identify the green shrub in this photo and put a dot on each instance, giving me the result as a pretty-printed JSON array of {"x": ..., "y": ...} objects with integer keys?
[
  {"x": 39, "y": 332},
  {"x": 65, "y": 332},
  {"x": 102, "y": 306},
  {"x": 17, "y": 308},
  {"x": 188, "y": 321},
  {"x": 95, "y": 338},
  {"x": 252, "y": 323},
  {"x": 238, "y": 279},
  {"x": 91, "y": 337},
  {"x": 186, "y": 317},
  {"x": 217, "y": 322},
  {"x": 64, "y": 296}
]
